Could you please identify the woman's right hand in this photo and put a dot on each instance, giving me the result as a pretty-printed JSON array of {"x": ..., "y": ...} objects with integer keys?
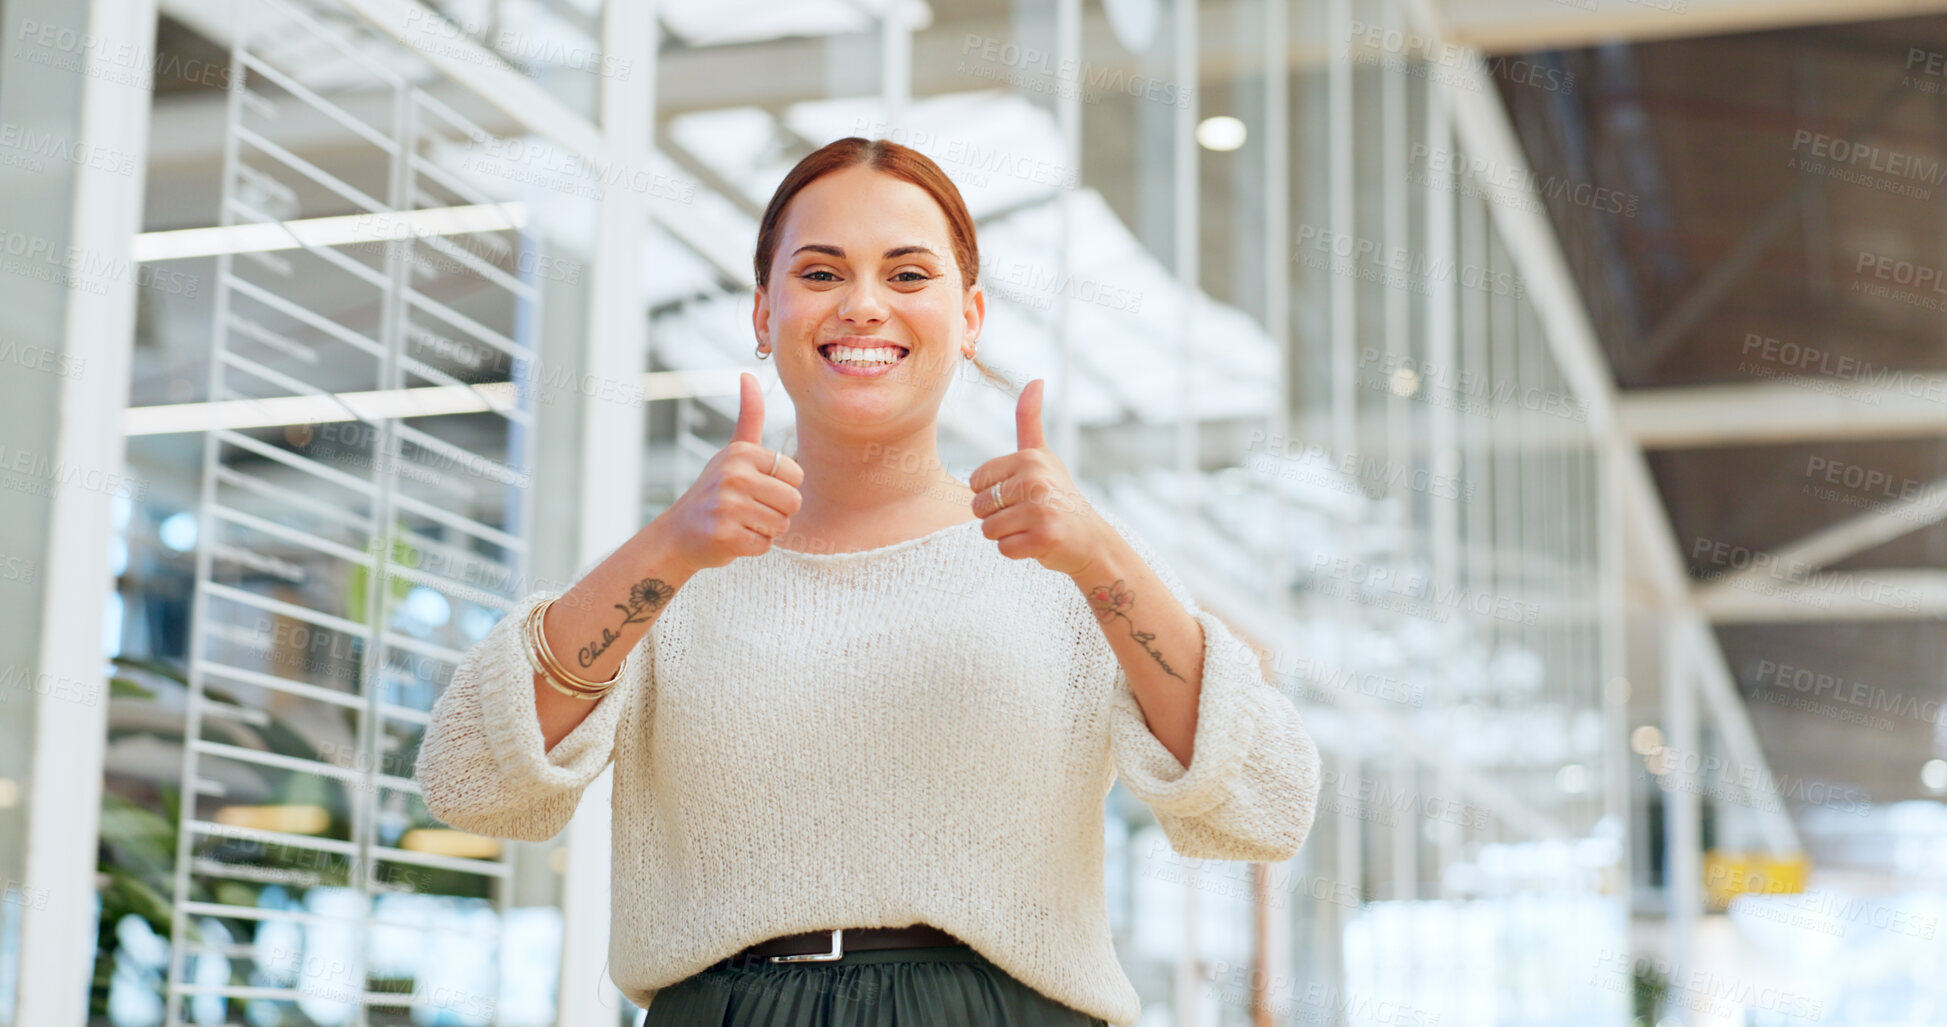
[{"x": 736, "y": 507}]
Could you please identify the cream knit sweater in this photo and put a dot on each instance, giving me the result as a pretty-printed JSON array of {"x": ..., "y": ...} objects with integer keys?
[{"x": 922, "y": 732}]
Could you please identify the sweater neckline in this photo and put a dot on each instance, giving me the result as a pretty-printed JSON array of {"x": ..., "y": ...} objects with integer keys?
[{"x": 890, "y": 547}]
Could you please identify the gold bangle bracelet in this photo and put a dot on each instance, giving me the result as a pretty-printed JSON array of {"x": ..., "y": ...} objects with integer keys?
[
  {"x": 565, "y": 690},
  {"x": 534, "y": 659},
  {"x": 541, "y": 668},
  {"x": 542, "y": 659},
  {"x": 552, "y": 666},
  {"x": 560, "y": 670}
]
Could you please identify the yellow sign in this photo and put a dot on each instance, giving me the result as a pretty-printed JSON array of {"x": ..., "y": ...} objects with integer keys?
[{"x": 1730, "y": 874}]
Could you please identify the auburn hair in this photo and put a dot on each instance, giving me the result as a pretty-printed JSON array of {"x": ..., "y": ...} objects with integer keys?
[{"x": 895, "y": 159}]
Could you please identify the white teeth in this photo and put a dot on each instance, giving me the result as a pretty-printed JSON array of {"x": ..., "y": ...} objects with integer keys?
[{"x": 864, "y": 357}]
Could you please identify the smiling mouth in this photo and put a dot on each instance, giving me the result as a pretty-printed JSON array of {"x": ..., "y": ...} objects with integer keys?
[{"x": 862, "y": 356}]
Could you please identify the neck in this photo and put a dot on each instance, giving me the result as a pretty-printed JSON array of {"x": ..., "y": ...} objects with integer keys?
[{"x": 851, "y": 480}]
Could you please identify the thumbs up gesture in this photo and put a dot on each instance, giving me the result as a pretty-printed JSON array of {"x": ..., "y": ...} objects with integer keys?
[
  {"x": 1039, "y": 514},
  {"x": 737, "y": 504}
]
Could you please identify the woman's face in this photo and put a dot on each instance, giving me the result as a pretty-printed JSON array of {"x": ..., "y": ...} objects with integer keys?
[{"x": 864, "y": 273}]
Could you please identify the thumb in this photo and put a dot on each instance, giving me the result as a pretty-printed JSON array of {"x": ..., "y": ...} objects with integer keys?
[
  {"x": 750, "y": 411},
  {"x": 1027, "y": 417}
]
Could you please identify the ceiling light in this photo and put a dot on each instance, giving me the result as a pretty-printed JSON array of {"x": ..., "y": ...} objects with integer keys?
[
  {"x": 1645, "y": 740},
  {"x": 1933, "y": 774},
  {"x": 1222, "y": 133}
]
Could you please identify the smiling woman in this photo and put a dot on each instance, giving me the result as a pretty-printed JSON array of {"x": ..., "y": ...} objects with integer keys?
[
  {"x": 867, "y": 297},
  {"x": 935, "y": 208},
  {"x": 864, "y": 783}
]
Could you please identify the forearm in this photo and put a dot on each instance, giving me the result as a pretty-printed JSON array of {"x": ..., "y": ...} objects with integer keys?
[
  {"x": 601, "y": 618},
  {"x": 1159, "y": 644}
]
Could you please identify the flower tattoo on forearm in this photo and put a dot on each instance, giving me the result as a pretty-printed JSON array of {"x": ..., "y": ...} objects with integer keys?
[
  {"x": 647, "y": 597},
  {"x": 1114, "y": 601}
]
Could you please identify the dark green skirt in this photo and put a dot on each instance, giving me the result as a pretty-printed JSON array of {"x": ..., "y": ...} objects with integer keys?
[{"x": 936, "y": 986}]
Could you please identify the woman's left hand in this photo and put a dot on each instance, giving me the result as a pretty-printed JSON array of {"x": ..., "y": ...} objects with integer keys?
[{"x": 1041, "y": 515}]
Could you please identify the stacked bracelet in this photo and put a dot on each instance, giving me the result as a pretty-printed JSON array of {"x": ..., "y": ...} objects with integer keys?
[{"x": 557, "y": 675}]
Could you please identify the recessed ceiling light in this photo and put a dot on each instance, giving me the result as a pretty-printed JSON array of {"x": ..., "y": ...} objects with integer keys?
[
  {"x": 1933, "y": 774},
  {"x": 1221, "y": 133}
]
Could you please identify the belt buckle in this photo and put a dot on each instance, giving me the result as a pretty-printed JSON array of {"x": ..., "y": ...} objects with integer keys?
[{"x": 837, "y": 952}]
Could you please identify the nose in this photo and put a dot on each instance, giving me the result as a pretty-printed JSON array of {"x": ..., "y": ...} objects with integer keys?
[{"x": 863, "y": 305}]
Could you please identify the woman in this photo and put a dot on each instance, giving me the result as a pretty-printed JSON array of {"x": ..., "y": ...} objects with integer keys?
[{"x": 869, "y": 713}]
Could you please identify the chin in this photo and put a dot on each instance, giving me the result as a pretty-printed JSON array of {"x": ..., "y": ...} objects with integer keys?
[{"x": 863, "y": 410}]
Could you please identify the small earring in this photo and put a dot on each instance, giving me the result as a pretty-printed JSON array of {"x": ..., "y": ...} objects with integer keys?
[{"x": 761, "y": 355}]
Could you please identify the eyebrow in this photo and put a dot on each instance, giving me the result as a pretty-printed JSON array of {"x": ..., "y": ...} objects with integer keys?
[{"x": 839, "y": 251}]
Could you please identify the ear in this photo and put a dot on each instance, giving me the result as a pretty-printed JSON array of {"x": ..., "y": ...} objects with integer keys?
[
  {"x": 760, "y": 316},
  {"x": 975, "y": 312}
]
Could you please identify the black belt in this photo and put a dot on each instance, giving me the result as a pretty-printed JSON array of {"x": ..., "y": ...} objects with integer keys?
[{"x": 830, "y": 946}]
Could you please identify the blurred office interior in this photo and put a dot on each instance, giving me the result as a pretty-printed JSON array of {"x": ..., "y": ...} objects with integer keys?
[{"x": 1553, "y": 392}]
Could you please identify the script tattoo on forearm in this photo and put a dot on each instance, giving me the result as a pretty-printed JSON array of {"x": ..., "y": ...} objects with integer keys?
[
  {"x": 1114, "y": 601},
  {"x": 647, "y": 597}
]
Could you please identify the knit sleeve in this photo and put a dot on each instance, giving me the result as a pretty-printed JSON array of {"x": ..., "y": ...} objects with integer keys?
[
  {"x": 482, "y": 765},
  {"x": 1251, "y": 789}
]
